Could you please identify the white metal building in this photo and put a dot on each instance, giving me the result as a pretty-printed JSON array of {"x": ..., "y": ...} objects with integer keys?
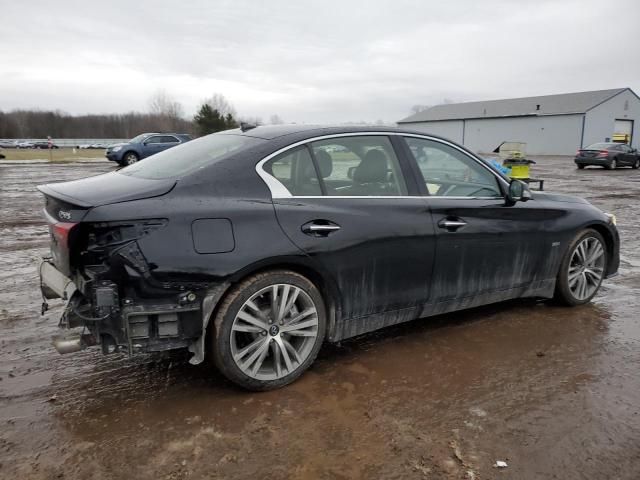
[{"x": 549, "y": 125}]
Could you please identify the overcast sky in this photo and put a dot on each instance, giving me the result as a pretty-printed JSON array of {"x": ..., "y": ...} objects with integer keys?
[{"x": 310, "y": 61}]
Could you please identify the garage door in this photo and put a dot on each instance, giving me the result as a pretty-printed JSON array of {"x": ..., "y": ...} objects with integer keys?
[{"x": 623, "y": 127}]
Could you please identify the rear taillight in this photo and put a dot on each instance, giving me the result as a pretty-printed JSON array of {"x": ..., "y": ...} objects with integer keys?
[
  {"x": 60, "y": 232},
  {"x": 579, "y": 152},
  {"x": 603, "y": 153}
]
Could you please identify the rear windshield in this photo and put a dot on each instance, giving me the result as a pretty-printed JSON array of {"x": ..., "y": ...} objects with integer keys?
[
  {"x": 191, "y": 156},
  {"x": 600, "y": 146}
]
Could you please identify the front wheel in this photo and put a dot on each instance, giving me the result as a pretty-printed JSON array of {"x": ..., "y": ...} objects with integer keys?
[
  {"x": 130, "y": 158},
  {"x": 582, "y": 269},
  {"x": 269, "y": 330}
]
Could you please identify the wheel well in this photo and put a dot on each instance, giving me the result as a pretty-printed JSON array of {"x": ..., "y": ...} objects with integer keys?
[
  {"x": 608, "y": 238},
  {"x": 130, "y": 151},
  {"x": 328, "y": 292}
]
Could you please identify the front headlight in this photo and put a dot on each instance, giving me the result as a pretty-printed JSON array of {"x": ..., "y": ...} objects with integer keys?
[
  {"x": 116, "y": 149},
  {"x": 612, "y": 219}
]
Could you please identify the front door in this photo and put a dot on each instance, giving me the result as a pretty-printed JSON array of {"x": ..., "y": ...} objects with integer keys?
[
  {"x": 351, "y": 212},
  {"x": 483, "y": 245}
]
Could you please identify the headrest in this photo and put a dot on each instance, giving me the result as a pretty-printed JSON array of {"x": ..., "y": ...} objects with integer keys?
[
  {"x": 372, "y": 168},
  {"x": 325, "y": 163}
]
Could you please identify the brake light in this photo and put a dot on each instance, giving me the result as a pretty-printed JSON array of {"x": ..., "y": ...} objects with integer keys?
[
  {"x": 578, "y": 152},
  {"x": 603, "y": 153},
  {"x": 60, "y": 232}
]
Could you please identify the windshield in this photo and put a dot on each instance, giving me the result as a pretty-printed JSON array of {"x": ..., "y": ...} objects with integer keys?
[
  {"x": 600, "y": 146},
  {"x": 189, "y": 157},
  {"x": 139, "y": 138}
]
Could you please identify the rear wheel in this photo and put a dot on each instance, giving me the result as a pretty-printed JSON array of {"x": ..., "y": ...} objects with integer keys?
[
  {"x": 580, "y": 167},
  {"x": 130, "y": 158},
  {"x": 636, "y": 164},
  {"x": 582, "y": 270},
  {"x": 612, "y": 165},
  {"x": 269, "y": 330}
]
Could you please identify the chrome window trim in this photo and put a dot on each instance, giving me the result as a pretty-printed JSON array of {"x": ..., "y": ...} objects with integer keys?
[{"x": 279, "y": 191}]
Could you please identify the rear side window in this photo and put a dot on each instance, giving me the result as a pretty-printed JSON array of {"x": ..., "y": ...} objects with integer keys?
[
  {"x": 359, "y": 166},
  {"x": 190, "y": 156},
  {"x": 169, "y": 139},
  {"x": 448, "y": 172},
  {"x": 295, "y": 170}
]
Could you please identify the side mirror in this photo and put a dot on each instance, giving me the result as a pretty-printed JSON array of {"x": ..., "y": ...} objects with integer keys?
[{"x": 518, "y": 192}]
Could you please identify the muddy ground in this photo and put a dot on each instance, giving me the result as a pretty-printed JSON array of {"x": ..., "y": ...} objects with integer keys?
[{"x": 554, "y": 392}]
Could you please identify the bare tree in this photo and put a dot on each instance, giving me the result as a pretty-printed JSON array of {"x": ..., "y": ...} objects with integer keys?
[
  {"x": 275, "y": 120},
  {"x": 161, "y": 103},
  {"x": 218, "y": 102}
]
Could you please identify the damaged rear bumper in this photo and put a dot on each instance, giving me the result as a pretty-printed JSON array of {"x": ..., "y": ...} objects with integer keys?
[{"x": 101, "y": 313}]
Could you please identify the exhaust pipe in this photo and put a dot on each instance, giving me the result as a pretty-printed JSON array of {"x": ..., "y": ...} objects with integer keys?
[{"x": 72, "y": 343}]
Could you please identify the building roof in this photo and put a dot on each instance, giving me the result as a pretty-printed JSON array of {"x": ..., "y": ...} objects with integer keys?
[{"x": 560, "y": 104}]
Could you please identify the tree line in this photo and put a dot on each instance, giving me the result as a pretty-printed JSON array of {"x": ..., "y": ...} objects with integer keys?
[{"x": 164, "y": 115}]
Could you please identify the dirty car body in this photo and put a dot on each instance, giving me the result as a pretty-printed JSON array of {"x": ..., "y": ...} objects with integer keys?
[{"x": 389, "y": 225}]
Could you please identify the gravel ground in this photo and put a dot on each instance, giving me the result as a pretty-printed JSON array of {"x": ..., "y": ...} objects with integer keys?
[{"x": 554, "y": 392}]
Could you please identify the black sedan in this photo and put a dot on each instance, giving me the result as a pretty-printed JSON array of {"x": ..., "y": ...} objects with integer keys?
[
  {"x": 44, "y": 145},
  {"x": 608, "y": 155},
  {"x": 257, "y": 245}
]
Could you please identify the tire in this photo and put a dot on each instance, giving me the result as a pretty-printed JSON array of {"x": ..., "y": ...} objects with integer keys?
[
  {"x": 129, "y": 158},
  {"x": 574, "y": 272},
  {"x": 612, "y": 165},
  {"x": 580, "y": 167},
  {"x": 636, "y": 164},
  {"x": 257, "y": 354}
]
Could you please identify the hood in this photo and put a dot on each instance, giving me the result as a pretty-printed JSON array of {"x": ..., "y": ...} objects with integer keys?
[
  {"x": 105, "y": 189},
  {"x": 558, "y": 197},
  {"x": 110, "y": 146}
]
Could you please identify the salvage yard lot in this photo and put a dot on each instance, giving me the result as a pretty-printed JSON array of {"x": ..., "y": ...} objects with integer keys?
[
  {"x": 57, "y": 154},
  {"x": 554, "y": 392}
]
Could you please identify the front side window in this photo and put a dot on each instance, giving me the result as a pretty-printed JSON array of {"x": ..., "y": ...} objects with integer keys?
[
  {"x": 359, "y": 166},
  {"x": 448, "y": 172},
  {"x": 295, "y": 170}
]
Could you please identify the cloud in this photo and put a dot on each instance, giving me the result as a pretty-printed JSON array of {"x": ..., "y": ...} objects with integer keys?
[{"x": 310, "y": 61}]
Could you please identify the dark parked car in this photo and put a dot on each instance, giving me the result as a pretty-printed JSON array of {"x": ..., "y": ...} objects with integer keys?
[
  {"x": 262, "y": 244},
  {"x": 608, "y": 155},
  {"x": 143, "y": 146},
  {"x": 44, "y": 145}
]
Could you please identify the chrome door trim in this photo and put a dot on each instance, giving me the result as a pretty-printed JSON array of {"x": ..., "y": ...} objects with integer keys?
[{"x": 278, "y": 190}]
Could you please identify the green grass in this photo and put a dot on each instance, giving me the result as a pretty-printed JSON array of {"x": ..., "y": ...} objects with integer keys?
[{"x": 57, "y": 155}]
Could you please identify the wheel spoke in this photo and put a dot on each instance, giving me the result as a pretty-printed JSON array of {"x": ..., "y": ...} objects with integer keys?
[
  {"x": 301, "y": 315},
  {"x": 246, "y": 317},
  {"x": 292, "y": 350},
  {"x": 596, "y": 252},
  {"x": 260, "y": 360},
  {"x": 246, "y": 328},
  {"x": 263, "y": 346},
  {"x": 285, "y": 354},
  {"x": 312, "y": 322},
  {"x": 283, "y": 303},
  {"x": 252, "y": 346}
]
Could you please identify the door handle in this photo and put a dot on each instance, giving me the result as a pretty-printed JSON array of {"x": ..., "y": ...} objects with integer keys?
[
  {"x": 451, "y": 225},
  {"x": 318, "y": 228}
]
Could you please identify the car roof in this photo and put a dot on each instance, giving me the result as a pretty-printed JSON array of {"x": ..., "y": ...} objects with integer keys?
[{"x": 270, "y": 132}]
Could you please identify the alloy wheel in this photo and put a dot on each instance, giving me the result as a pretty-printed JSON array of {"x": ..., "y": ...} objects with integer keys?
[
  {"x": 274, "y": 332},
  {"x": 586, "y": 268}
]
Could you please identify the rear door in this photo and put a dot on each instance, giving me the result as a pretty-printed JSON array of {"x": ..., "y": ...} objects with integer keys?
[
  {"x": 169, "y": 141},
  {"x": 354, "y": 209},
  {"x": 482, "y": 245}
]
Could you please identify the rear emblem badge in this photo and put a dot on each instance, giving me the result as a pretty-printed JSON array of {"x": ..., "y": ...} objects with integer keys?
[{"x": 64, "y": 215}]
